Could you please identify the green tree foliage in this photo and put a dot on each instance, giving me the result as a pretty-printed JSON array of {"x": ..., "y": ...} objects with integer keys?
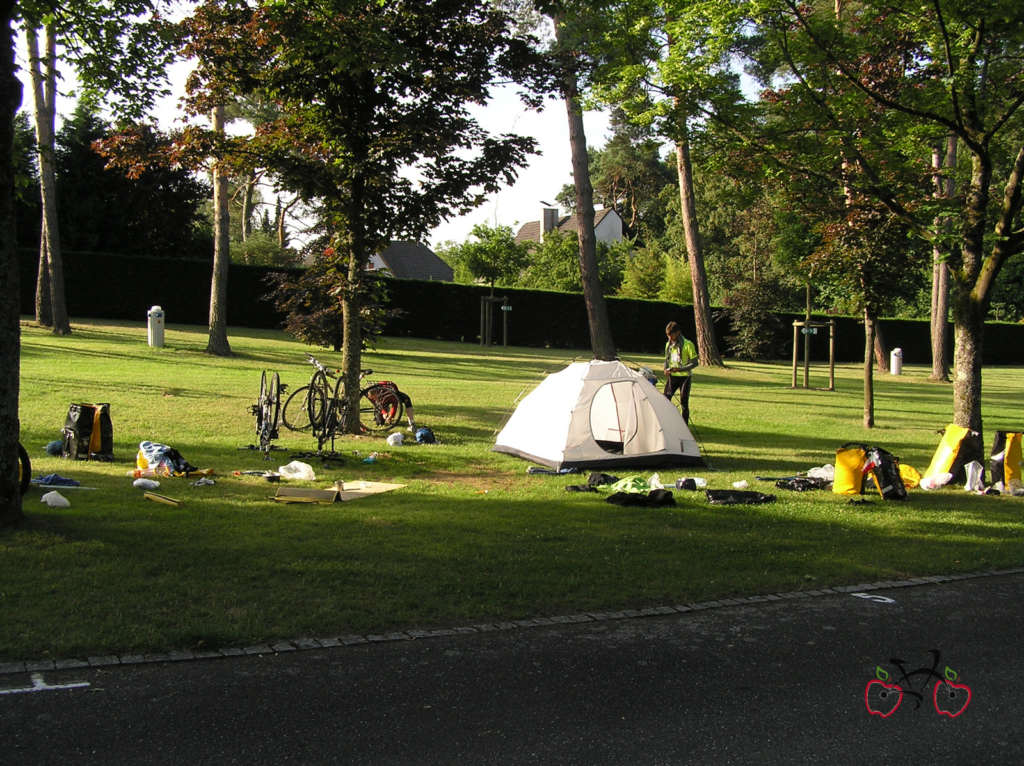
[
  {"x": 491, "y": 256},
  {"x": 628, "y": 174},
  {"x": 260, "y": 248},
  {"x": 643, "y": 275},
  {"x": 27, "y": 209},
  {"x": 375, "y": 125},
  {"x": 110, "y": 56},
  {"x": 554, "y": 264},
  {"x": 156, "y": 211},
  {"x": 860, "y": 94},
  {"x": 310, "y": 301}
]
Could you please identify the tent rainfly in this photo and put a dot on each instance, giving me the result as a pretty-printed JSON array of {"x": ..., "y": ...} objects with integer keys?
[{"x": 600, "y": 415}]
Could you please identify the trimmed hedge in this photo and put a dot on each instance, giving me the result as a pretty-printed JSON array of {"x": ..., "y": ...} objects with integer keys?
[{"x": 112, "y": 286}]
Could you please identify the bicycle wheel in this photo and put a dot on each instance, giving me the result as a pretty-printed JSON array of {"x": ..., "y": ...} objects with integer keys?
[
  {"x": 295, "y": 413},
  {"x": 258, "y": 409},
  {"x": 271, "y": 411},
  {"x": 318, "y": 402},
  {"x": 380, "y": 407},
  {"x": 24, "y": 469}
]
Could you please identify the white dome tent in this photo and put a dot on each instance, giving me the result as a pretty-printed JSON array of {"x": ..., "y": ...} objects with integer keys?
[{"x": 598, "y": 415}]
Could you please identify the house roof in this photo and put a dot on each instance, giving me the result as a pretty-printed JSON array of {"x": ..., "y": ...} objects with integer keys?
[
  {"x": 411, "y": 260},
  {"x": 530, "y": 231}
]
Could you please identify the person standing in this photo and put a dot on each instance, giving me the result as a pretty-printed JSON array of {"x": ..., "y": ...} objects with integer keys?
[{"x": 680, "y": 359}]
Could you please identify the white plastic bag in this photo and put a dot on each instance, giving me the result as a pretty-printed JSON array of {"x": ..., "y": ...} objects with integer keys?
[
  {"x": 934, "y": 481},
  {"x": 146, "y": 483},
  {"x": 55, "y": 499},
  {"x": 826, "y": 472},
  {"x": 974, "y": 471},
  {"x": 297, "y": 470},
  {"x": 395, "y": 439}
]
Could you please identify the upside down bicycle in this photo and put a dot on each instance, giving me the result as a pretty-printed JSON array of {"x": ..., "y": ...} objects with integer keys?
[{"x": 267, "y": 411}]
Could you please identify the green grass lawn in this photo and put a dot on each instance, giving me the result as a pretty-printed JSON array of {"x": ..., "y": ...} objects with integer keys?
[{"x": 472, "y": 537}]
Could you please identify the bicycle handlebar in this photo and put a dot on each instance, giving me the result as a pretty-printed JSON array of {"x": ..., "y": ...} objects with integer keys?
[{"x": 319, "y": 365}]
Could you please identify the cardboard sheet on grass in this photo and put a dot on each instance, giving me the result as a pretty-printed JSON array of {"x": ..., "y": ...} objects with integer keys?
[{"x": 341, "y": 491}]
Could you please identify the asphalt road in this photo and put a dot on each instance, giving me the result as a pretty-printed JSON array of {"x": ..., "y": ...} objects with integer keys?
[{"x": 780, "y": 682}]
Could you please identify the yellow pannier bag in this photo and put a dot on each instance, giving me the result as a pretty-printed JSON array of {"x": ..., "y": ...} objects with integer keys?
[
  {"x": 910, "y": 475},
  {"x": 849, "y": 475},
  {"x": 958, "y": 447},
  {"x": 1006, "y": 458}
]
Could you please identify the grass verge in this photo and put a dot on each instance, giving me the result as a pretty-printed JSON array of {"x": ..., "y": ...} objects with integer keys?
[{"x": 472, "y": 537}]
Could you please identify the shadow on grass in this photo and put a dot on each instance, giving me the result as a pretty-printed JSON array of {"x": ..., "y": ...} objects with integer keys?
[{"x": 257, "y": 571}]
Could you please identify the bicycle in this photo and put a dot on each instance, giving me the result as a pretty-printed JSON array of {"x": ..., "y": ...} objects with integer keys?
[
  {"x": 267, "y": 411},
  {"x": 319, "y": 406},
  {"x": 24, "y": 469}
]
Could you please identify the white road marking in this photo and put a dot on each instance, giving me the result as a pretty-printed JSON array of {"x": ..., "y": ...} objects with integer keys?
[
  {"x": 39, "y": 685},
  {"x": 873, "y": 597}
]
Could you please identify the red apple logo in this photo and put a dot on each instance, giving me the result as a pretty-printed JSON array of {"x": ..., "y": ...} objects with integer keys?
[
  {"x": 951, "y": 698},
  {"x": 880, "y": 697}
]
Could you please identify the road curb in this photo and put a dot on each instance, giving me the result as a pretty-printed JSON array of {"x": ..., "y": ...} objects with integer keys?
[{"x": 307, "y": 644}]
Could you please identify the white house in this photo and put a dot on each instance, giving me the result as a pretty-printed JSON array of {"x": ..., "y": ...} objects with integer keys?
[{"x": 607, "y": 225}]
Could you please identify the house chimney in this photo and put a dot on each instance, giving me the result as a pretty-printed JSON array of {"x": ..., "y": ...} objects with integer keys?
[{"x": 548, "y": 220}]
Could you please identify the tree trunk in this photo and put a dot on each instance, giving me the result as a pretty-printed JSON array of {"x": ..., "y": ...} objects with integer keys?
[
  {"x": 351, "y": 343},
  {"x": 247, "y": 189},
  {"x": 44, "y": 316},
  {"x": 707, "y": 345},
  {"x": 869, "y": 380},
  {"x": 881, "y": 353},
  {"x": 602, "y": 344},
  {"x": 218, "y": 338},
  {"x": 969, "y": 338},
  {"x": 44, "y": 89},
  {"x": 940, "y": 271},
  {"x": 940, "y": 310},
  {"x": 282, "y": 215},
  {"x": 10, "y": 309}
]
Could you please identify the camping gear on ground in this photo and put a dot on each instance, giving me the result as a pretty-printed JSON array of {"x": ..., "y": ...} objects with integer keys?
[
  {"x": 910, "y": 475},
  {"x": 340, "y": 491},
  {"x": 656, "y": 498},
  {"x": 958, "y": 447},
  {"x": 857, "y": 462},
  {"x": 55, "y": 480},
  {"x": 737, "y": 497},
  {"x": 849, "y": 469},
  {"x": 425, "y": 436},
  {"x": 161, "y": 460},
  {"x": 691, "y": 482},
  {"x": 975, "y": 473},
  {"x": 161, "y": 499},
  {"x": 88, "y": 433},
  {"x": 598, "y": 415},
  {"x": 146, "y": 484},
  {"x": 55, "y": 499},
  {"x": 24, "y": 469},
  {"x": 885, "y": 471},
  {"x": 802, "y": 483},
  {"x": 297, "y": 470},
  {"x": 1006, "y": 458}
]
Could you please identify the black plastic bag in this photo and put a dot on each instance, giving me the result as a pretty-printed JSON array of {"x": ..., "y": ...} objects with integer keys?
[{"x": 737, "y": 497}]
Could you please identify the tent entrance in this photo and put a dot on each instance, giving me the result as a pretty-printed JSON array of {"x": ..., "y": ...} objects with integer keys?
[{"x": 622, "y": 420}]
